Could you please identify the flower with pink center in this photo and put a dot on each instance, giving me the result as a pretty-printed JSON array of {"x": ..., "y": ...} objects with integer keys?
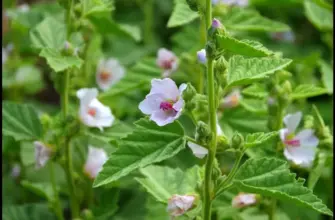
[
  {"x": 243, "y": 199},
  {"x": 231, "y": 100},
  {"x": 95, "y": 160},
  {"x": 299, "y": 148},
  {"x": 178, "y": 205},
  {"x": 92, "y": 112},
  {"x": 167, "y": 61},
  {"x": 109, "y": 72},
  {"x": 216, "y": 23},
  {"x": 164, "y": 103},
  {"x": 42, "y": 154}
]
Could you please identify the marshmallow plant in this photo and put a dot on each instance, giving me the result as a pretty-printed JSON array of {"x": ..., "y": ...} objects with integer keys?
[{"x": 194, "y": 122}]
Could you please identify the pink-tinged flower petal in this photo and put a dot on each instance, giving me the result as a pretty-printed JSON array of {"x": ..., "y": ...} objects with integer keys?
[
  {"x": 292, "y": 121},
  {"x": 165, "y": 86},
  {"x": 243, "y": 200},
  {"x": 92, "y": 112},
  {"x": 109, "y": 72},
  {"x": 42, "y": 154},
  {"x": 216, "y": 23},
  {"x": 95, "y": 160},
  {"x": 167, "y": 61},
  {"x": 232, "y": 99},
  {"x": 302, "y": 156},
  {"x": 197, "y": 150},
  {"x": 178, "y": 205},
  {"x": 16, "y": 170},
  {"x": 151, "y": 103},
  {"x": 201, "y": 55},
  {"x": 307, "y": 138},
  {"x": 162, "y": 118},
  {"x": 283, "y": 133}
]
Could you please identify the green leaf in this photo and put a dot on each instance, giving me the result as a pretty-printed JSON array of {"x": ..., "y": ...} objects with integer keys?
[
  {"x": 321, "y": 17},
  {"x": 327, "y": 77},
  {"x": 243, "y": 71},
  {"x": 105, "y": 25},
  {"x": 250, "y": 20},
  {"x": 42, "y": 189},
  {"x": 20, "y": 121},
  {"x": 316, "y": 172},
  {"x": 50, "y": 33},
  {"x": 96, "y": 7},
  {"x": 162, "y": 181},
  {"x": 272, "y": 177},
  {"x": 259, "y": 138},
  {"x": 255, "y": 90},
  {"x": 27, "y": 212},
  {"x": 59, "y": 62},
  {"x": 147, "y": 144},
  {"x": 303, "y": 91},
  {"x": 242, "y": 47},
  {"x": 254, "y": 105},
  {"x": 181, "y": 14}
]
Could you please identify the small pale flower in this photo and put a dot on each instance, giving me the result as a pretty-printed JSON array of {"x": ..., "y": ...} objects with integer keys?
[
  {"x": 201, "y": 54},
  {"x": 92, "y": 112},
  {"x": 216, "y": 23},
  {"x": 287, "y": 36},
  {"x": 42, "y": 154},
  {"x": 178, "y": 205},
  {"x": 109, "y": 72},
  {"x": 231, "y": 100},
  {"x": 164, "y": 103},
  {"x": 95, "y": 160},
  {"x": 16, "y": 170},
  {"x": 167, "y": 61},
  {"x": 243, "y": 199},
  {"x": 299, "y": 148},
  {"x": 24, "y": 8}
]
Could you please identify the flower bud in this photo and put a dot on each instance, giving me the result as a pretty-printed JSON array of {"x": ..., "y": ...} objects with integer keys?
[
  {"x": 203, "y": 134},
  {"x": 201, "y": 55},
  {"x": 287, "y": 87},
  {"x": 68, "y": 48},
  {"x": 309, "y": 121},
  {"x": 189, "y": 92},
  {"x": 237, "y": 141},
  {"x": 210, "y": 49},
  {"x": 87, "y": 214},
  {"x": 283, "y": 75},
  {"x": 216, "y": 173},
  {"x": 222, "y": 143},
  {"x": 216, "y": 23}
]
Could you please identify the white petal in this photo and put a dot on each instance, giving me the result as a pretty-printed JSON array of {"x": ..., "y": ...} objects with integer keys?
[
  {"x": 165, "y": 86},
  {"x": 302, "y": 156},
  {"x": 307, "y": 138},
  {"x": 292, "y": 121},
  {"x": 198, "y": 151},
  {"x": 243, "y": 200},
  {"x": 218, "y": 127},
  {"x": 42, "y": 154},
  {"x": 282, "y": 134},
  {"x": 182, "y": 87},
  {"x": 162, "y": 118},
  {"x": 178, "y": 106},
  {"x": 178, "y": 205},
  {"x": 87, "y": 95},
  {"x": 95, "y": 159},
  {"x": 151, "y": 103}
]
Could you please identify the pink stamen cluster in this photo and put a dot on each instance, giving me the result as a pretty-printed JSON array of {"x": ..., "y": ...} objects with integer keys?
[{"x": 166, "y": 106}]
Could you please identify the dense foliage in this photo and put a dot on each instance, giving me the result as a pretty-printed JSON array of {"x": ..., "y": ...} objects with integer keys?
[{"x": 152, "y": 109}]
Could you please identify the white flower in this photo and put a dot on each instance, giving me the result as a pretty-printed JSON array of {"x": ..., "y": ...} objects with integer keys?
[
  {"x": 16, "y": 170},
  {"x": 299, "y": 148},
  {"x": 42, "y": 154},
  {"x": 95, "y": 160},
  {"x": 109, "y": 72},
  {"x": 232, "y": 99},
  {"x": 92, "y": 112},
  {"x": 178, "y": 205},
  {"x": 164, "y": 102},
  {"x": 198, "y": 151},
  {"x": 167, "y": 61},
  {"x": 201, "y": 54},
  {"x": 243, "y": 199},
  {"x": 24, "y": 8}
]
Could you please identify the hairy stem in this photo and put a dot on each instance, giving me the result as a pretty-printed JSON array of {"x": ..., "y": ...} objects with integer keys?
[
  {"x": 148, "y": 21},
  {"x": 58, "y": 208},
  {"x": 208, "y": 185}
]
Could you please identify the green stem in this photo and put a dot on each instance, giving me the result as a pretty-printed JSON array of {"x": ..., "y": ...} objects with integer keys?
[
  {"x": 148, "y": 21},
  {"x": 208, "y": 185},
  {"x": 272, "y": 210},
  {"x": 190, "y": 139},
  {"x": 58, "y": 208},
  {"x": 223, "y": 186}
]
